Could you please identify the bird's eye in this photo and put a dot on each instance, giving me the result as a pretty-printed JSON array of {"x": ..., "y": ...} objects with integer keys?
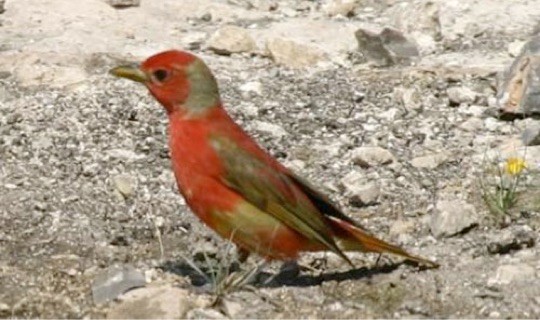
[{"x": 160, "y": 75}]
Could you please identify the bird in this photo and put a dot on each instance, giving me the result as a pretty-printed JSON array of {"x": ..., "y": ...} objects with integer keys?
[{"x": 235, "y": 186}]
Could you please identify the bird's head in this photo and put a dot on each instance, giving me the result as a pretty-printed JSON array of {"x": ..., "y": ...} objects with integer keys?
[{"x": 179, "y": 80}]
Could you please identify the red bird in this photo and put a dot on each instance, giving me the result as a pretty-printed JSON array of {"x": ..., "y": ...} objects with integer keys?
[{"x": 231, "y": 183}]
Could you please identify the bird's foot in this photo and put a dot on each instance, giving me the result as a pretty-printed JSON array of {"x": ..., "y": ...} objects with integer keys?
[{"x": 242, "y": 254}]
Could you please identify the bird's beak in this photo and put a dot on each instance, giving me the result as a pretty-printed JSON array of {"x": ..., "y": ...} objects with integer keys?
[{"x": 130, "y": 72}]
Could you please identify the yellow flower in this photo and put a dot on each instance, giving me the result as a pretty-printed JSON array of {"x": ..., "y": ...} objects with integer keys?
[{"x": 514, "y": 166}]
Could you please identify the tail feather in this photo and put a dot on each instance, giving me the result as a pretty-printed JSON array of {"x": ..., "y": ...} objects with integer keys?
[{"x": 356, "y": 239}]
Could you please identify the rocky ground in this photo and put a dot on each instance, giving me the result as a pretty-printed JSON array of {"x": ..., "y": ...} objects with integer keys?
[{"x": 400, "y": 126}]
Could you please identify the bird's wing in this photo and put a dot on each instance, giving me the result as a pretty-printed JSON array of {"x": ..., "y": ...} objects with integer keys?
[
  {"x": 273, "y": 192},
  {"x": 322, "y": 202}
]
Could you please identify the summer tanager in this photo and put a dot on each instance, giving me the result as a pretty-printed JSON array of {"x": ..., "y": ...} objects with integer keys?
[{"x": 231, "y": 183}]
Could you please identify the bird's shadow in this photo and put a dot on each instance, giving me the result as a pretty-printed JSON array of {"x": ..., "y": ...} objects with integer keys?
[
  {"x": 265, "y": 279},
  {"x": 308, "y": 280}
]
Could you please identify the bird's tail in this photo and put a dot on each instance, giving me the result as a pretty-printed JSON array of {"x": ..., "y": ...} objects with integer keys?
[{"x": 352, "y": 238}]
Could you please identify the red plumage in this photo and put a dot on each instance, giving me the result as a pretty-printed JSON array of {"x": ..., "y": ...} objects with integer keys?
[{"x": 231, "y": 183}]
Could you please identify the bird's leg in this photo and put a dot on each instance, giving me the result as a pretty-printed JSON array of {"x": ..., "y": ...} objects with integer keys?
[
  {"x": 378, "y": 260},
  {"x": 288, "y": 271},
  {"x": 242, "y": 272},
  {"x": 248, "y": 275},
  {"x": 242, "y": 254},
  {"x": 315, "y": 267}
]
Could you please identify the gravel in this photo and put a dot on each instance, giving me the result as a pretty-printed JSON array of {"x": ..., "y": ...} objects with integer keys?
[{"x": 86, "y": 181}]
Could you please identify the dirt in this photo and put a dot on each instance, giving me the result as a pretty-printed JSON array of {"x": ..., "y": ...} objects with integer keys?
[{"x": 63, "y": 146}]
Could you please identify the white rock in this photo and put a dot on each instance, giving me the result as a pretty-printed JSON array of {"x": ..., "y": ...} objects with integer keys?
[
  {"x": 335, "y": 306},
  {"x": 124, "y": 185},
  {"x": 115, "y": 281},
  {"x": 124, "y": 3},
  {"x": 472, "y": 124},
  {"x": 409, "y": 97},
  {"x": 472, "y": 110},
  {"x": 514, "y": 47},
  {"x": 416, "y": 17},
  {"x": 205, "y": 313},
  {"x": 288, "y": 12},
  {"x": 194, "y": 39},
  {"x": 264, "y": 5},
  {"x": 389, "y": 115},
  {"x": 91, "y": 169},
  {"x": 33, "y": 68},
  {"x": 452, "y": 217},
  {"x": 344, "y": 8},
  {"x": 351, "y": 179},
  {"x": 51, "y": 75},
  {"x": 296, "y": 165},
  {"x": 232, "y": 308},
  {"x": 249, "y": 109},
  {"x": 124, "y": 154},
  {"x": 5, "y": 95},
  {"x": 419, "y": 20},
  {"x": 401, "y": 226},
  {"x": 531, "y": 135},
  {"x": 492, "y": 124},
  {"x": 159, "y": 302},
  {"x": 371, "y": 156},
  {"x": 389, "y": 46},
  {"x": 358, "y": 191},
  {"x": 42, "y": 143},
  {"x": 459, "y": 95},
  {"x": 365, "y": 195},
  {"x": 231, "y": 39},
  {"x": 431, "y": 161},
  {"x": 151, "y": 274},
  {"x": 293, "y": 54},
  {"x": 509, "y": 273},
  {"x": 270, "y": 128},
  {"x": 402, "y": 230},
  {"x": 4, "y": 307},
  {"x": 330, "y": 150},
  {"x": 425, "y": 42},
  {"x": 252, "y": 86}
]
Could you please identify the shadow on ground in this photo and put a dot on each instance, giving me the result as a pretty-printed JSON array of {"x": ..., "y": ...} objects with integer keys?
[{"x": 288, "y": 277}]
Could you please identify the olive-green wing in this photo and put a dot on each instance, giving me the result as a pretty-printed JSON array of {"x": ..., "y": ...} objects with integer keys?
[
  {"x": 362, "y": 239},
  {"x": 273, "y": 192},
  {"x": 322, "y": 202}
]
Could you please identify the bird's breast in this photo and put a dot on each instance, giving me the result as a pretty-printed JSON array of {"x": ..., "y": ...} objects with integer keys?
[{"x": 193, "y": 159}]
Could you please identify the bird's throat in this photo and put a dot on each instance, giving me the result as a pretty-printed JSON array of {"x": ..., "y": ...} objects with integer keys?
[
  {"x": 189, "y": 133},
  {"x": 203, "y": 88}
]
